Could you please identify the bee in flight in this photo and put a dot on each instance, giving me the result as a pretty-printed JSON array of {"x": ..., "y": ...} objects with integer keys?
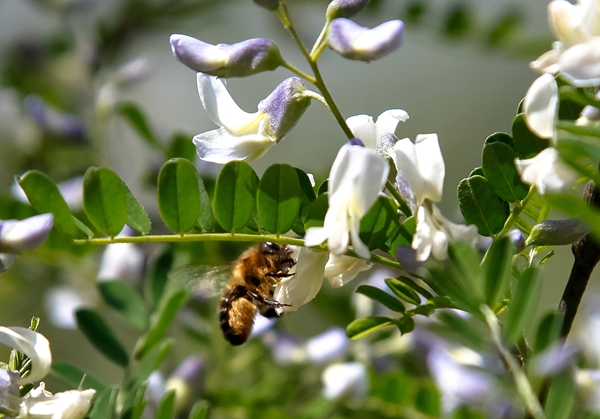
[{"x": 255, "y": 274}]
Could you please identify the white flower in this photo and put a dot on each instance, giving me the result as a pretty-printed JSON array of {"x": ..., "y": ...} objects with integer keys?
[
  {"x": 345, "y": 380},
  {"x": 370, "y": 132},
  {"x": 357, "y": 176},
  {"x": 434, "y": 232},
  {"x": 242, "y": 135},
  {"x": 341, "y": 269},
  {"x": 306, "y": 282},
  {"x": 41, "y": 404},
  {"x": 422, "y": 165},
  {"x": 547, "y": 171},
  {"x": 541, "y": 106},
  {"x": 32, "y": 344}
]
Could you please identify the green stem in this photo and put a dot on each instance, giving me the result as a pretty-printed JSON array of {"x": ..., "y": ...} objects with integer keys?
[
  {"x": 522, "y": 383},
  {"x": 299, "y": 72},
  {"x": 319, "y": 45},
  {"x": 516, "y": 212},
  {"x": 401, "y": 202},
  {"x": 219, "y": 237}
]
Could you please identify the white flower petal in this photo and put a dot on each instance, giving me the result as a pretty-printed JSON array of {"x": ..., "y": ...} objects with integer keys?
[
  {"x": 363, "y": 127},
  {"x": 41, "y": 404},
  {"x": 547, "y": 62},
  {"x": 315, "y": 236},
  {"x": 223, "y": 110},
  {"x": 304, "y": 285},
  {"x": 541, "y": 106},
  {"x": 388, "y": 121},
  {"x": 345, "y": 380},
  {"x": 32, "y": 344},
  {"x": 422, "y": 164},
  {"x": 341, "y": 269},
  {"x": 220, "y": 146},
  {"x": 580, "y": 64},
  {"x": 547, "y": 172},
  {"x": 566, "y": 21}
]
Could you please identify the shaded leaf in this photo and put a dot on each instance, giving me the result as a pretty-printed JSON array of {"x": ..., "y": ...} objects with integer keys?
[
  {"x": 481, "y": 206},
  {"x": 132, "y": 114},
  {"x": 125, "y": 300},
  {"x": 500, "y": 137},
  {"x": 181, "y": 146},
  {"x": 382, "y": 297},
  {"x": 165, "y": 407},
  {"x": 498, "y": 264},
  {"x": 235, "y": 195},
  {"x": 105, "y": 200},
  {"x": 278, "y": 198},
  {"x": 526, "y": 142},
  {"x": 316, "y": 212},
  {"x": 104, "y": 404},
  {"x": 406, "y": 324},
  {"x": 548, "y": 330},
  {"x": 498, "y": 162},
  {"x": 101, "y": 336},
  {"x": 137, "y": 217},
  {"x": 561, "y": 396},
  {"x": 524, "y": 302},
  {"x": 152, "y": 361},
  {"x": 199, "y": 410},
  {"x": 72, "y": 377},
  {"x": 379, "y": 224},
  {"x": 307, "y": 197}
]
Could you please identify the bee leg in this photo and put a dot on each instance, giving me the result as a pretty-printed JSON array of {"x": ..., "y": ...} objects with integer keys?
[
  {"x": 279, "y": 274},
  {"x": 267, "y": 301}
]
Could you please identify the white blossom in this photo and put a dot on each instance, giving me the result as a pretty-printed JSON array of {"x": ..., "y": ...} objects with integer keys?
[
  {"x": 357, "y": 176},
  {"x": 547, "y": 172},
  {"x": 345, "y": 380},
  {"x": 41, "y": 404},
  {"x": 32, "y": 344},
  {"x": 369, "y": 131},
  {"x": 341, "y": 269},
  {"x": 541, "y": 106}
]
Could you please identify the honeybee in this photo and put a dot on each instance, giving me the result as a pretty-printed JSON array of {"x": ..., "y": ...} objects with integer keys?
[{"x": 255, "y": 274}]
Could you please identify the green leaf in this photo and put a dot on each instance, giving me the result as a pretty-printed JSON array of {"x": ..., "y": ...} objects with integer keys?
[
  {"x": 235, "y": 195},
  {"x": 478, "y": 171},
  {"x": 498, "y": 162},
  {"x": 181, "y": 146},
  {"x": 45, "y": 197},
  {"x": 316, "y": 212},
  {"x": 278, "y": 198},
  {"x": 406, "y": 324},
  {"x": 199, "y": 410},
  {"x": 481, "y": 206},
  {"x": 137, "y": 217},
  {"x": 179, "y": 195},
  {"x": 152, "y": 361},
  {"x": 165, "y": 407},
  {"x": 307, "y": 197},
  {"x": 466, "y": 268},
  {"x": 524, "y": 302},
  {"x": 526, "y": 142},
  {"x": 100, "y": 335},
  {"x": 104, "y": 404},
  {"x": 379, "y": 224},
  {"x": 161, "y": 320},
  {"x": 72, "y": 377},
  {"x": 155, "y": 287},
  {"x": 104, "y": 200},
  {"x": 500, "y": 137},
  {"x": 548, "y": 330},
  {"x": 138, "y": 403},
  {"x": 498, "y": 264},
  {"x": 206, "y": 221},
  {"x": 362, "y": 327},
  {"x": 402, "y": 290},
  {"x": 122, "y": 298},
  {"x": 323, "y": 187},
  {"x": 561, "y": 396},
  {"x": 382, "y": 297},
  {"x": 132, "y": 114}
]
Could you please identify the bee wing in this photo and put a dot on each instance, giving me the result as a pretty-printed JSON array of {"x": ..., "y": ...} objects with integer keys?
[{"x": 203, "y": 280}]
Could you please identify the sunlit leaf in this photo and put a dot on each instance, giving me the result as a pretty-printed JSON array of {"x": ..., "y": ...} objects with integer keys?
[
  {"x": 137, "y": 217},
  {"x": 104, "y": 404},
  {"x": 379, "y": 224},
  {"x": 278, "y": 198},
  {"x": 362, "y": 327},
  {"x": 382, "y": 297},
  {"x": 235, "y": 195},
  {"x": 404, "y": 291},
  {"x": 99, "y": 334}
]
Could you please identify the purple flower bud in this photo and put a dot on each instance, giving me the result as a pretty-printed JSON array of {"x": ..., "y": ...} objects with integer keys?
[
  {"x": 53, "y": 121},
  {"x": 19, "y": 236},
  {"x": 356, "y": 141},
  {"x": 284, "y": 106},
  {"x": 9, "y": 392},
  {"x": 557, "y": 232},
  {"x": 517, "y": 238},
  {"x": 227, "y": 60},
  {"x": 268, "y": 4},
  {"x": 345, "y": 8},
  {"x": 356, "y": 42}
]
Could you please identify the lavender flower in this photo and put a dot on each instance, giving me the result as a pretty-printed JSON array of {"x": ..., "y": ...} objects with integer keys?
[{"x": 355, "y": 42}]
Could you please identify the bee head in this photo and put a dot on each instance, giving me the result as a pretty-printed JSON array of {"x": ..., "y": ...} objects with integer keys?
[{"x": 269, "y": 248}]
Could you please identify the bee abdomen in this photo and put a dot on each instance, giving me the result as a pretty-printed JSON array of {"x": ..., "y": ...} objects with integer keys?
[{"x": 236, "y": 315}]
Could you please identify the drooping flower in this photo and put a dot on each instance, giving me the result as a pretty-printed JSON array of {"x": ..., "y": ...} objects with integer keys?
[
  {"x": 356, "y": 42},
  {"x": 34, "y": 345},
  {"x": 547, "y": 172},
  {"x": 541, "y": 106},
  {"x": 22, "y": 235},
  {"x": 345, "y": 8},
  {"x": 227, "y": 60},
  {"x": 341, "y": 269},
  {"x": 41, "y": 404},
  {"x": 348, "y": 380},
  {"x": 247, "y": 136},
  {"x": 356, "y": 178},
  {"x": 422, "y": 166}
]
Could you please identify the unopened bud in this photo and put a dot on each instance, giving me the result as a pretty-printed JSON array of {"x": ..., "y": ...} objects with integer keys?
[
  {"x": 345, "y": 8},
  {"x": 268, "y": 4},
  {"x": 356, "y": 141},
  {"x": 356, "y": 42},
  {"x": 6, "y": 259},
  {"x": 557, "y": 232},
  {"x": 19, "y": 236},
  {"x": 517, "y": 239},
  {"x": 284, "y": 106},
  {"x": 227, "y": 60}
]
